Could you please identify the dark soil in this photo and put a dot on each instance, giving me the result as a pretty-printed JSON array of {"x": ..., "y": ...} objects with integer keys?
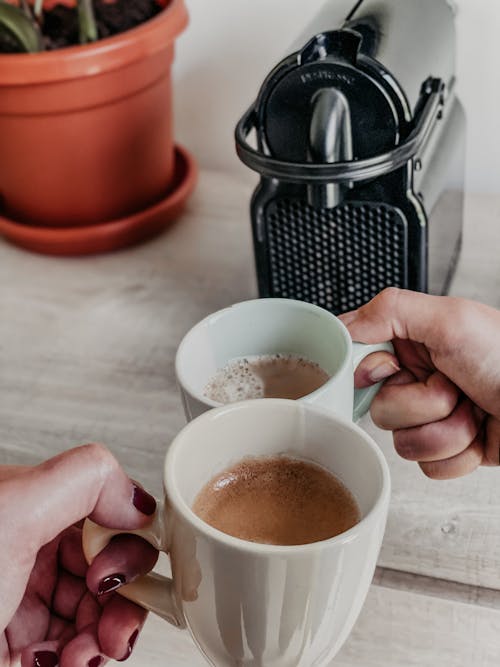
[
  {"x": 8, "y": 43},
  {"x": 60, "y": 24}
]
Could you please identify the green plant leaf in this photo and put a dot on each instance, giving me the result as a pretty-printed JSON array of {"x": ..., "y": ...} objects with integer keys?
[
  {"x": 87, "y": 22},
  {"x": 25, "y": 31},
  {"x": 37, "y": 9}
]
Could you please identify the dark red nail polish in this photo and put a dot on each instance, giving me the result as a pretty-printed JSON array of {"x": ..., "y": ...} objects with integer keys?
[
  {"x": 45, "y": 659},
  {"x": 131, "y": 644},
  {"x": 111, "y": 583},
  {"x": 143, "y": 501},
  {"x": 96, "y": 662}
]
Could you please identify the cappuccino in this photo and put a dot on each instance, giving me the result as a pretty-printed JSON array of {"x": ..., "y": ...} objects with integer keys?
[
  {"x": 277, "y": 500},
  {"x": 265, "y": 376}
]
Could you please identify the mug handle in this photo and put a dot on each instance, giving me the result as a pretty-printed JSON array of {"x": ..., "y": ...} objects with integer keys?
[
  {"x": 152, "y": 592},
  {"x": 363, "y": 397}
]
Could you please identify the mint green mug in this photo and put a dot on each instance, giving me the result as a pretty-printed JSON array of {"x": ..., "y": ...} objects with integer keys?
[{"x": 269, "y": 327}]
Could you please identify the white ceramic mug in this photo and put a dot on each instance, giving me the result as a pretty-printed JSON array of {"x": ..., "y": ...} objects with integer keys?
[
  {"x": 275, "y": 326},
  {"x": 258, "y": 605}
]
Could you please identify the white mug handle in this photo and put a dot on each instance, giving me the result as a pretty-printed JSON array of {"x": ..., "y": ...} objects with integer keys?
[
  {"x": 152, "y": 592},
  {"x": 364, "y": 397}
]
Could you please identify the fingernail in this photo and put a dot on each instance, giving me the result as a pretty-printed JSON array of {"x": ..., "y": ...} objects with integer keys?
[
  {"x": 131, "y": 644},
  {"x": 383, "y": 371},
  {"x": 45, "y": 659},
  {"x": 143, "y": 501},
  {"x": 348, "y": 318},
  {"x": 111, "y": 583},
  {"x": 96, "y": 662}
]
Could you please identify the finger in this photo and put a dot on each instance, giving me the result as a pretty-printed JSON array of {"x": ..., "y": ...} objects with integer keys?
[
  {"x": 396, "y": 313},
  {"x": 98, "y": 488},
  {"x": 492, "y": 436},
  {"x": 61, "y": 630},
  {"x": 68, "y": 594},
  {"x": 89, "y": 612},
  {"x": 403, "y": 377},
  {"x": 375, "y": 368},
  {"x": 43, "y": 653},
  {"x": 442, "y": 439},
  {"x": 456, "y": 466},
  {"x": 399, "y": 406},
  {"x": 7, "y": 472},
  {"x": 415, "y": 356},
  {"x": 124, "y": 559},
  {"x": 83, "y": 650},
  {"x": 119, "y": 627},
  {"x": 71, "y": 556}
]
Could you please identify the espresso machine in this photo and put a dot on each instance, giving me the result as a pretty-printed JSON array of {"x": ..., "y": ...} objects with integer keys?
[{"x": 358, "y": 137}]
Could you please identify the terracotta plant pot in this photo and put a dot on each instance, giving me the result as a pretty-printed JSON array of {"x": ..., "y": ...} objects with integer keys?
[{"x": 86, "y": 131}]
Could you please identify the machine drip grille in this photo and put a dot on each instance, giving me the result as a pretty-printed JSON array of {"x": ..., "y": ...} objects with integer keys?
[{"x": 336, "y": 258}]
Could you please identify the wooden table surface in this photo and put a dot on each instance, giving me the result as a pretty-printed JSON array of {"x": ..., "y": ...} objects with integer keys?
[{"x": 86, "y": 354}]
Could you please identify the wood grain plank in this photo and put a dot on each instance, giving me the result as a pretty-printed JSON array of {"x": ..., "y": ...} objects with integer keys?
[
  {"x": 87, "y": 349},
  {"x": 448, "y": 530},
  {"x": 87, "y": 345},
  {"x": 402, "y": 629}
]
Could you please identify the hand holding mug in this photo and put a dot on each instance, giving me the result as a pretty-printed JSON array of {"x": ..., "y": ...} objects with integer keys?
[
  {"x": 251, "y": 603},
  {"x": 51, "y": 612},
  {"x": 444, "y": 404}
]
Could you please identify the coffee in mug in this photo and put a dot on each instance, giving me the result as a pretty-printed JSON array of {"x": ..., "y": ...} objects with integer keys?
[
  {"x": 283, "y": 348},
  {"x": 277, "y": 500},
  {"x": 265, "y": 376},
  {"x": 249, "y": 603}
]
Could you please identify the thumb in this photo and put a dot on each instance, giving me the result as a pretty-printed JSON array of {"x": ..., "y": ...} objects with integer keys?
[
  {"x": 86, "y": 481},
  {"x": 396, "y": 313}
]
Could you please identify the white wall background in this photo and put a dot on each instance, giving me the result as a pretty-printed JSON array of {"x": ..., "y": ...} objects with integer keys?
[{"x": 230, "y": 45}]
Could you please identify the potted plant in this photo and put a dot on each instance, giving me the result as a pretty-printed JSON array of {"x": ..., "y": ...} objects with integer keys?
[{"x": 87, "y": 157}]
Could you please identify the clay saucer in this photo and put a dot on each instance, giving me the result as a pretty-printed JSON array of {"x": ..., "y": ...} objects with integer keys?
[{"x": 112, "y": 235}]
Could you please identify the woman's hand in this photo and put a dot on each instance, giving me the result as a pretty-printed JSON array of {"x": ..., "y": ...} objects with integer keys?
[
  {"x": 55, "y": 610},
  {"x": 443, "y": 404}
]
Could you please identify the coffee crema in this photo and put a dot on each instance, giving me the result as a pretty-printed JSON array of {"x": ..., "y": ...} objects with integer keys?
[
  {"x": 277, "y": 500},
  {"x": 265, "y": 376}
]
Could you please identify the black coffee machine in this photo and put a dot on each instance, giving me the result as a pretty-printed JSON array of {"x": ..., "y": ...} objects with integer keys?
[{"x": 359, "y": 142}]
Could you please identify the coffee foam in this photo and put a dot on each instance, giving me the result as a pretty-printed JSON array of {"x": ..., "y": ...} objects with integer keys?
[
  {"x": 249, "y": 377},
  {"x": 237, "y": 381},
  {"x": 277, "y": 500}
]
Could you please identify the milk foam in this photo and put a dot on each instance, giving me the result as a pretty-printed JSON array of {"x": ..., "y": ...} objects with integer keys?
[
  {"x": 237, "y": 381},
  {"x": 261, "y": 375}
]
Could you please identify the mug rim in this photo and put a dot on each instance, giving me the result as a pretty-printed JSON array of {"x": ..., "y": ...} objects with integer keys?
[
  {"x": 205, "y": 322},
  {"x": 176, "y": 499}
]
